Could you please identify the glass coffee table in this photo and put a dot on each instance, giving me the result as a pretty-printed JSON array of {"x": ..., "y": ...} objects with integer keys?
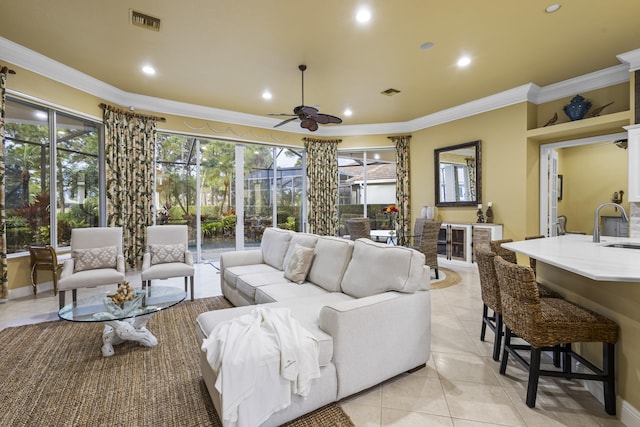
[{"x": 126, "y": 322}]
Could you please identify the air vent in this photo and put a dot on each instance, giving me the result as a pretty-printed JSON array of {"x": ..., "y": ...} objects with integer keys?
[
  {"x": 390, "y": 92},
  {"x": 145, "y": 21}
]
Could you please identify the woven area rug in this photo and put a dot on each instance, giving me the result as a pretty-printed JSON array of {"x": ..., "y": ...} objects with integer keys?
[
  {"x": 447, "y": 278},
  {"x": 53, "y": 374}
]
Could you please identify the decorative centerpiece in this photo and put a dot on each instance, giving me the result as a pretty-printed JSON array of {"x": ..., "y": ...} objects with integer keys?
[
  {"x": 124, "y": 301},
  {"x": 391, "y": 211},
  {"x": 577, "y": 108}
]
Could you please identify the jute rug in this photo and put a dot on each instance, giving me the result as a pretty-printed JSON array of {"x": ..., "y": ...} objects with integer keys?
[
  {"x": 53, "y": 374},
  {"x": 447, "y": 278}
]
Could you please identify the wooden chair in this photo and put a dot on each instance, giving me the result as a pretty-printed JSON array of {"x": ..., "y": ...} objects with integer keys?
[
  {"x": 44, "y": 258},
  {"x": 549, "y": 324}
]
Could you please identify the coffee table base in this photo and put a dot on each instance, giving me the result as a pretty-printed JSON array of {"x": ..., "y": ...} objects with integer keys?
[{"x": 118, "y": 331}]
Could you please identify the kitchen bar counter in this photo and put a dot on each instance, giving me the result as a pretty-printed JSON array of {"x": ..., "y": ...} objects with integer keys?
[{"x": 578, "y": 254}]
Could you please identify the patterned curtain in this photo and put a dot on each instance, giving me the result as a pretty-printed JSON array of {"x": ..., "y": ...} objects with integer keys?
[
  {"x": 129, "y": 155},
  {"x": 403, "y": 224},
  {"x": 322, "y": 178},
  {"x": 4, "y": 282}
]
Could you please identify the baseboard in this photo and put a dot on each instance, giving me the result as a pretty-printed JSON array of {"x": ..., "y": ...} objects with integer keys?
[{"x": 627, "y": 413}]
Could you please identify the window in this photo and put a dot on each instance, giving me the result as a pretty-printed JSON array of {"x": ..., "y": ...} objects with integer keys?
[{"x": 29, "y": 130}]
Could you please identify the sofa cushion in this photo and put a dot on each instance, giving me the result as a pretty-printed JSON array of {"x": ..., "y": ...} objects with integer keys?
[
  {"x": 162, "y": 254},
  {"x": 231, "y": 274},
  {"x": 375, "y": 268},
  {"x": 95, "y": 258},
  {"x": 247, "y": 283},
  {"x": 282, "y": 291},
  {"x": 332, "y": 256},
  {"x": 299, "y": 264},
  {"x": 274, "y": 245},
  {"x": 302, "y": 239}
]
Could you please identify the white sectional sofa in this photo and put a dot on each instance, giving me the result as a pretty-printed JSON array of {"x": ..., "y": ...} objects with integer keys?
[{"x": 367, "y": 304}]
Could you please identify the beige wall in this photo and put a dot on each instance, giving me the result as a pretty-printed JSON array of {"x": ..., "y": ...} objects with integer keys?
[
  {"x": 591, "y": 174},
  {"x": 505, "y": 169}
]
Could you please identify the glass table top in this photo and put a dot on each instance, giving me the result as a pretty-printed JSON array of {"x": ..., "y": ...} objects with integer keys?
[{"x": 100, "y": 308}]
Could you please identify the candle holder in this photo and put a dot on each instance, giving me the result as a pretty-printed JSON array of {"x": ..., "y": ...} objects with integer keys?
[
  {"x": 480, "y": 215},
  {"x": 489, "y": 214}
]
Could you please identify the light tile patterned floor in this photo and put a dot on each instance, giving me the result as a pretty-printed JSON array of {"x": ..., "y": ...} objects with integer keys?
[{"x": 460, "y": 386}]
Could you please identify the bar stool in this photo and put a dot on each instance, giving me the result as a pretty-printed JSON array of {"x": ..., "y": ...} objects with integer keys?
[
  {"x": 510, "y": 256},
  {"x": 44, "y": 258},
  {"x": 490, "y": 292},
  {"x": 551, "y": 322}
]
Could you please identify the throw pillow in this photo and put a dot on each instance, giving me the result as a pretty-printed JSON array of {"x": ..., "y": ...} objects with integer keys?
[
  {"x": 91, "y": 259},
  {"x": 299, "y": 264},
  {"x": 161, "y": 254}
]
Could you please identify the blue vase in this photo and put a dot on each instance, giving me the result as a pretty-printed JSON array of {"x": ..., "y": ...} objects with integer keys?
[{"x": 577, "y": 108}]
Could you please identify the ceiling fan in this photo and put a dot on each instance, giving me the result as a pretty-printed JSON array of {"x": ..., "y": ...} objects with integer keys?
[{"x": 309, "y": 117}]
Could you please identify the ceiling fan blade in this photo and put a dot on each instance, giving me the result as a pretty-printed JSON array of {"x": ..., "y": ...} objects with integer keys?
[
  {"x": 323, "y": 119},
  {"x": 281, "y": 114},
  {"x": 309, "y": 124},
  {"x": 284, "y": 122},
  {"x": 309, "y": 111}
]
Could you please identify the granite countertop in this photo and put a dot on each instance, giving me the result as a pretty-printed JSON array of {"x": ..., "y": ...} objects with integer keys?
[{"x": 579, "y": 254}]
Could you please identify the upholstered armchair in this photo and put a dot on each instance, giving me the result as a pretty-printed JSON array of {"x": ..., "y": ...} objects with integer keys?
[
  {"x": 167, "y": 255},
  {"x": 96, "y": 259}
]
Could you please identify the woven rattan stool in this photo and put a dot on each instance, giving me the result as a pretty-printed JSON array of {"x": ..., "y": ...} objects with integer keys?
[
  {"x": 549, "y": 322},
  {"x": 510, "y": 256},
  {"x": 490, "y": 292}
]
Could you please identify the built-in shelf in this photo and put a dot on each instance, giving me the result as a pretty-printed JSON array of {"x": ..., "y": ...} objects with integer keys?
[{"x": 600, "y": 125}]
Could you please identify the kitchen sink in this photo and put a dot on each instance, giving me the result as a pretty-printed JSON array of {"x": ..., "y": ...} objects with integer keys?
[{"x": 624, "y": 245}]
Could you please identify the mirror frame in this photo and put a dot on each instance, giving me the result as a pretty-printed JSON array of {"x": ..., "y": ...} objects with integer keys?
[{"x": 477, "y": 145}]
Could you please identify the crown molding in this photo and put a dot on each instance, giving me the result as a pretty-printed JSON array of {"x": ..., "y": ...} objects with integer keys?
[
  {"x": 631, "y": 58},
  {"x": 587, "y": 82},
  {"x": 47, "y": 67}
]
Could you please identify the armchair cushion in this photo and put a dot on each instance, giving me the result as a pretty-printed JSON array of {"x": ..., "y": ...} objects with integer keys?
[
  {"x": 162, "y": 254},
  {"x": 299, "y": 264},
  {"x": 95, "y": 258}
]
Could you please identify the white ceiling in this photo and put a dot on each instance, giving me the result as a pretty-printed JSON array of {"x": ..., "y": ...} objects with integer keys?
[{"x": 224, "y": 54}]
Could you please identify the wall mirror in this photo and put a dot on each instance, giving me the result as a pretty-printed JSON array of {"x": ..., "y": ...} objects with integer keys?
[{"x": 458, "y": 175}]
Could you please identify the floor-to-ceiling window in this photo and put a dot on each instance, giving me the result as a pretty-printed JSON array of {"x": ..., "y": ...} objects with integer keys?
[
  {"x": 366, "y": 186},
  {"x": 52, "y": 159},
  {"x": 196, "y": 185}
]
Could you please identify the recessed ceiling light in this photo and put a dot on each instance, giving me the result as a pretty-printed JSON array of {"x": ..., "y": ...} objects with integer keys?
[
  {"x": 363, "y": 15},
  {"x": 348, "y": 112},
  {"x": 376, "y": 156},
  {"x": 426, "y": 46},
  {"x": 41, "y": 115},
  {"x": 552, "y": 8},
  {"x": 464, "y": 61},
  {"x": 148, "y": 70},
  {"x": 266, "y": 95}
]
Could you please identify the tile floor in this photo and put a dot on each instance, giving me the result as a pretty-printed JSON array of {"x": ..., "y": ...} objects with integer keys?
[{"x": 460, "y": 386}]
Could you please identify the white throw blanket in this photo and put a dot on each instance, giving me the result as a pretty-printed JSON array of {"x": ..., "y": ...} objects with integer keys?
[{"x": 260, "y": 359}]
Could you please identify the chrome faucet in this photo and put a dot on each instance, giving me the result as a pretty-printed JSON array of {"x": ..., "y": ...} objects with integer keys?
[{"x": 596, "y": 219}]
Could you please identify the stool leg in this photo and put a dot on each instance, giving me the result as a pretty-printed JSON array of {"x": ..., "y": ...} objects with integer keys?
[
  {"x": 485, "y": 314},
  {"x": 61, "y": 299},
  {"x": 608, "y": 366},
  {"x": 497, "y": 340},
  {"x": 191, "y": 280},
  {"x": 534, "y": 375},
  {"x": 566, "y": 359},
  {"x": 505, "y": 352}
]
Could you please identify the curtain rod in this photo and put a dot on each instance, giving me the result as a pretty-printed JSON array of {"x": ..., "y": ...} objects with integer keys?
[
  {"x": 128, "y": 113},
  {"x": 6, "y": 70}
]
